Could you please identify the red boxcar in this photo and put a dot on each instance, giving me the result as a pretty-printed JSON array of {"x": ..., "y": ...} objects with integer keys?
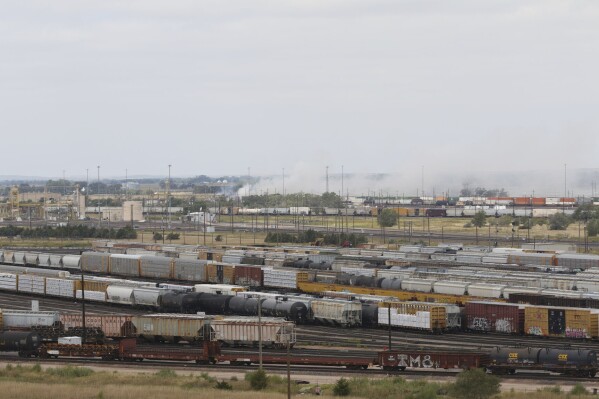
[
  {"x": 250, "y": 276},
  {"x": 498, "y": 317}
]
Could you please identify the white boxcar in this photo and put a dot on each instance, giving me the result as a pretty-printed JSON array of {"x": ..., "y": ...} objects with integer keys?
[
  {"x": 32, "y": 284},
  {"x": 120, "y": 294},
  {"x": 419, "y": 320},
  {"x": 8, "y": 281},
  {"x": 97, "y": 296},
  {"x": 245, "y": 331},
  {"x": 486, "y": 290},
  {"x": 336, "y": 312},
  {"x": 280, "y": 278},
  {"x": 60, "y": 287},
  {"x": 26, "y": 318}
]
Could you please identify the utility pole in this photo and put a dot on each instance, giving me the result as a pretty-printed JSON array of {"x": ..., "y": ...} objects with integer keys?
[
  {"x": 283, "y": 183},
  {"x": 168, "y": 198},
  {"x": 98, "y": 192},
  {"x": 565, "y": 190},
  {"x": 327, "y": 179}
]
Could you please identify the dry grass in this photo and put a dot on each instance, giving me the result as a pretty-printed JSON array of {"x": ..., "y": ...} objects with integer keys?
[{"x": 35, "y": 382}]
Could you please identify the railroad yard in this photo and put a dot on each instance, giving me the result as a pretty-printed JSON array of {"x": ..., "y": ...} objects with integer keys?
[{"x": 418, "y": 311}]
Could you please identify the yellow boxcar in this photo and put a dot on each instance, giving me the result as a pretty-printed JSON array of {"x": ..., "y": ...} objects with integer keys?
[{"x": 536, "y": 321}]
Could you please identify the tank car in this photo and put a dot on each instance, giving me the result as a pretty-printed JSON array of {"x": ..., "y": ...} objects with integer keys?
[
  {"x": 244, "y": 306},
  {"x": 24, "y": 342},
  {"x": 291, "y": 310}
]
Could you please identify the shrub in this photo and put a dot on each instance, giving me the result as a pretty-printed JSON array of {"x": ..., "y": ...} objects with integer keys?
[
  {"x": 70, "y": 372},
  {"x": 223, "y": 385},
  {"x": 37, "y": 368},
  {"x": 474, "y": 384},
  {"x": 258, "y": 379},
  {"x": 165, "y": 373},
  {"x": 559, "y": 221},
  {"x": 578, "y": 389},
  {"x": 341, "y": 388}
]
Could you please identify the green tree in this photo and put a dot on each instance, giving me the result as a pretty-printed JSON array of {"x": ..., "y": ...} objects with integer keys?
[
  {"x": 474, "y": 384},
  {"x": 593, "y": 228},
  {"x": 341, "y": 388},
  {"x": 387, "y": 218},
  {"x": 478, "y": 221},
  {"x": 559, "y": 221},
  {"x": 157, "y": 237},
  {"x": 586, "y": 212}
]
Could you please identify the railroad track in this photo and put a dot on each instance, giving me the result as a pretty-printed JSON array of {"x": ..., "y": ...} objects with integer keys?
[
  {"x": 325, "y": 336},
  {"x": 311, "y": 370}
]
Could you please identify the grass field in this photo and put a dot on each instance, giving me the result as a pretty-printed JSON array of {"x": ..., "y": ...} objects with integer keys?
[{"x": 68, "y": 382}]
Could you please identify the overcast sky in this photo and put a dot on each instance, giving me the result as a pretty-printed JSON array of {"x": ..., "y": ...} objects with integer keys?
[{"x": 215, "y": 87}]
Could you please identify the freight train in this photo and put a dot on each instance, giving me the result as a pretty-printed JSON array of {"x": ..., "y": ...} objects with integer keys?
[{"x": 568, "y": 362}]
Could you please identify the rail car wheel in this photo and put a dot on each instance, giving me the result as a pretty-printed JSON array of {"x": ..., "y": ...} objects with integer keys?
[
  {"x": 592, "y": 373},
  {"x": 511, "y": 371}
]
